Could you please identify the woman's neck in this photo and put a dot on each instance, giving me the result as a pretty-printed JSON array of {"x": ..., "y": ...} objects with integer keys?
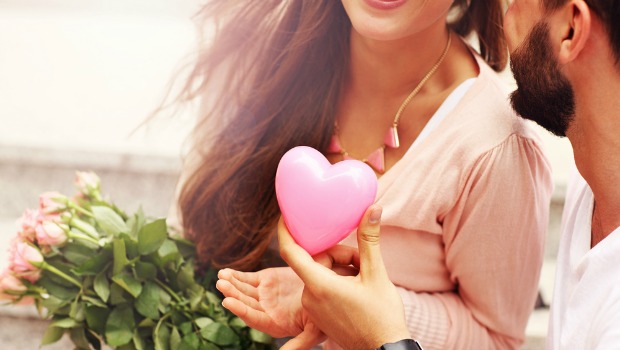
[{"x": 393, "y": 68}]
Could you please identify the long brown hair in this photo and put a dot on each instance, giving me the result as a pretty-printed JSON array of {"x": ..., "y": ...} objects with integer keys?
[
  {"x": 486, "y": 19},
  {"x": 269, "y": 80}
]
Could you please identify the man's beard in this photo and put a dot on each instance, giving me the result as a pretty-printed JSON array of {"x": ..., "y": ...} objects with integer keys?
[{"x": 543, "y": 94}]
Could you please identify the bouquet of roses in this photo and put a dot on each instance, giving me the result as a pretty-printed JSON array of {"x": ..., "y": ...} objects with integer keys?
[{"x": 105, "y": 277}]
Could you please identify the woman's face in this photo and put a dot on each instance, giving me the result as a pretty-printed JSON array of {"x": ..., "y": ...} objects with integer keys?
[{"x": 394, "y": 19}]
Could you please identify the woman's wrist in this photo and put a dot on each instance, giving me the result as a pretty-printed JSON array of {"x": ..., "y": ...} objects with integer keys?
[{"x": 404, "y": 344}]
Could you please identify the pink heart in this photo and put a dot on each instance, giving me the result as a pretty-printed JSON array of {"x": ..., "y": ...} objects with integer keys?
[{"x": 322, "y": 203}]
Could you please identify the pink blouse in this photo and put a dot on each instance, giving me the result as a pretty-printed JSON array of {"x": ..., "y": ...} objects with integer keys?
[{"x": 465, "y": 214}]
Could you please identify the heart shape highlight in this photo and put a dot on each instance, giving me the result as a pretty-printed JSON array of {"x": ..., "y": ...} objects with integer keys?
[{"x": 322, "y": 203}]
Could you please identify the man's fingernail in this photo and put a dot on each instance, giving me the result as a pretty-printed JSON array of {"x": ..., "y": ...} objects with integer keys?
[{"x": 375, "y": 216}]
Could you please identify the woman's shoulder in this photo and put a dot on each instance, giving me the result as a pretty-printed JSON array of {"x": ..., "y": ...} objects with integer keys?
[{"x": 485, "y": 112}]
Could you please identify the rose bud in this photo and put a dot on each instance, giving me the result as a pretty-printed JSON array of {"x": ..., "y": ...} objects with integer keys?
[
  {"x": 52, "y": 202},
  {"x": 27, "y": 223},
  {"x": 50, "y": 234},
  {"x": 25, "y": 261},
  {"x": 87, "y": 182},
  {"x": 10, "y": 283}
]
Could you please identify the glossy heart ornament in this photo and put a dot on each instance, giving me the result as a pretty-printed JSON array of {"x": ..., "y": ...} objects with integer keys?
[{"x": 322, "y": 203}]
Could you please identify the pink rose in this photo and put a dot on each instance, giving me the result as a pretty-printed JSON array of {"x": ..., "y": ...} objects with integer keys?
[
  {"x": 24, "y": 261},
  {"x": 12, "y": 287},
  {"x": 52, "y": 202},
  {"x": 87, "y": 182},
  {"x": 27, "y": 223},
  {"x": 50, "y": 233}
]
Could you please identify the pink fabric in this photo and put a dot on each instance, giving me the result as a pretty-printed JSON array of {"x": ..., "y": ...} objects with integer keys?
[{"x": 464, "y": 221}]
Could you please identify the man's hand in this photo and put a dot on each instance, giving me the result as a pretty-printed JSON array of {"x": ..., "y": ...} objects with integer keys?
[{"x": 361, "y": 312}]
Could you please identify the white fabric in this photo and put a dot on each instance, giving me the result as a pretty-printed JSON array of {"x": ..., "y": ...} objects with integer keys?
[
  {"x": 585, "y": 311},
  {"x": 446, "y": 107}
]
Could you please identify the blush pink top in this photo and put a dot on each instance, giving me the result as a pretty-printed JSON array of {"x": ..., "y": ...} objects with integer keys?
[{"x": 465, "y": 214}]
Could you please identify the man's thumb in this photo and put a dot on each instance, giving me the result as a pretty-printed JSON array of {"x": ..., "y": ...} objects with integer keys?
[{"x": 368, "y": 232}]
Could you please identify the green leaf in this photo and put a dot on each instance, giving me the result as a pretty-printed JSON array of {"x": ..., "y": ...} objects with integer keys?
[
  {"x": 118, "y": 295},
  {"x": 136, "y": 222},
  {"x": 164, "y": 298},
  {"x": 78, "y": 337},
  {"x": 120, "y": 256},
  {"x": 93, "y": 301},
  {"x": 168, "y": 252},
  {"x": 190, "y": 341},
  {"x": 77, "y": 253},
  {"x": 65, "y": 323},
  {"x": 145, "y": 271},
  {"x": 129, "y": 346},
  {"x": 96, "y": 318},
  {"x": 186, "y": 247},
  {"x": 109, "y": 221},
  {"x": 196, "y": 293},
  {"x": 129, "y": 283},
  {"x": 63, "y": 267},
  {"x": 102, "y": 286},
  {"x": 95, "y": 264},
  {"x": 213, "y": 298},
  {"x": 77, "y": 311},
  {"x": 52, "y": 334},
  {"x": 260, "y": 337},
  {"x": 236, "y": 322},
  {"x": 202, "y": 322},
  {"x": 84, "y": 226},
  {"x": 131, "y": 246},
  {"x": 175, "y": 338},
  {"x": 219, "y": 334},
  {"x": 162, "y": 337},
  {"x": 147, "y": 323},
  {"x": 138, "y": 341},
  {"x": 120, "y": 326},
  {"x": 186, "y": 328},
  {"x": 152, "y": 236},
  {"x": 148, "y": 301},
  {"x": 52, "y": 304},
  {"x": 210, "y": 346},
  {"x": 185, "y": 277}
]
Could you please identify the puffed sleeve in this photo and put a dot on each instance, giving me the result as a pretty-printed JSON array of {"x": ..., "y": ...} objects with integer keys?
[{"x": 494, "y": 241}]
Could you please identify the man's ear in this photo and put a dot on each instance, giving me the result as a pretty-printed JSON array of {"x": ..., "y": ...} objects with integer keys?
[{"x": 576, "y": 30}]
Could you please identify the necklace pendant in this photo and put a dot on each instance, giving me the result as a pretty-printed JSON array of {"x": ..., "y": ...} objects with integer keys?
[
  {"x": 334, "y": 145},
  {"x": 391, "y": 138},
  {"x": 376, "y": 160}
]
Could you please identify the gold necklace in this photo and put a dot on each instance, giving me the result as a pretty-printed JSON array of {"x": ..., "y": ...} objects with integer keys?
[{"x": 376, "y": 159}]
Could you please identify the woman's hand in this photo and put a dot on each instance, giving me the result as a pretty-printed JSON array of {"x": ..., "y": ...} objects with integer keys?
[
  {"x": 269, "y": 301},
  {"x": 361, "y": 312}
]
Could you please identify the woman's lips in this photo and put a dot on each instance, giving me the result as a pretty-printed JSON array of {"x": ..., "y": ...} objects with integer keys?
[{"x": 385, "y": 4}]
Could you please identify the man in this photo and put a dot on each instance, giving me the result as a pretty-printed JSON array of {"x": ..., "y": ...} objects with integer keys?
[{"x": 565, "y": 58}]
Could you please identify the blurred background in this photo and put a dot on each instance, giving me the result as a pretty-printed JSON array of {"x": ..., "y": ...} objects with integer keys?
[{"x": 78, "y": 78}]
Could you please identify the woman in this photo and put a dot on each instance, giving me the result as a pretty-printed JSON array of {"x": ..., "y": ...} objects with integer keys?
[{"x": 463, "y": 182}]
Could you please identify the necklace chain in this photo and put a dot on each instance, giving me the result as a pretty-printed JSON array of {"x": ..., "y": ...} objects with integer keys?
[
  {"x": 377, "y": 159},
  {"x": 422, "y": 82}
]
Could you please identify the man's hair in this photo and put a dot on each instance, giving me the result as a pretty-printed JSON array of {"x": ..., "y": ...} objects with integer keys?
[{"x": 608, "y": 11}]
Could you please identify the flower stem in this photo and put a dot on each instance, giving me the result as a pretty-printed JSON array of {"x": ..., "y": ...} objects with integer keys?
[
  {"x": 80, "y": 209},
  {"x": 84, "y": 237},
  {"x": 84, "y": 227},
  {"x": 59, "y": 273},
  {"x": 167, "y": 289}
]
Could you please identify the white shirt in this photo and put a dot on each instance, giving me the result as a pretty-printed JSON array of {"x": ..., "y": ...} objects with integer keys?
[{"x": 585, "y": 311}]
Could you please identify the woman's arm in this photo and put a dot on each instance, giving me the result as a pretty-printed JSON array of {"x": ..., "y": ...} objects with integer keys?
[{"x": 494, "y": 239}]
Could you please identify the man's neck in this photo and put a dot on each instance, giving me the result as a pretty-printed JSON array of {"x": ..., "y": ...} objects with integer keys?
[{"x": 594, "y": 136}]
